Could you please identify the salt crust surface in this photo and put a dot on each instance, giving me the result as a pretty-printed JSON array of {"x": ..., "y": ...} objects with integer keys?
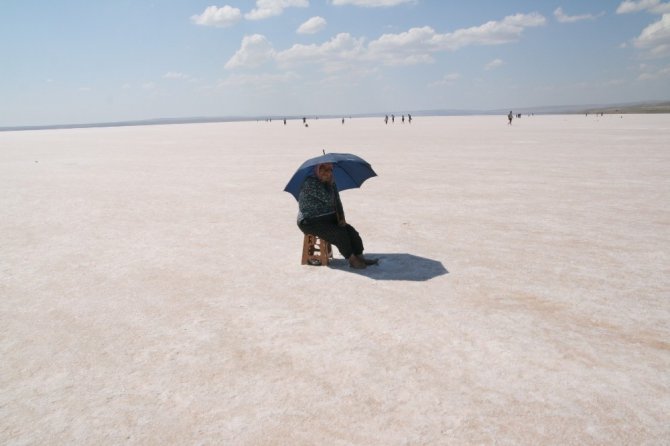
[{"x": 151, "y": 290}]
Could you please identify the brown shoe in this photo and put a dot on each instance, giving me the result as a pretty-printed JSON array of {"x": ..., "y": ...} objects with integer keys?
[{"x": 356, "y": 262}]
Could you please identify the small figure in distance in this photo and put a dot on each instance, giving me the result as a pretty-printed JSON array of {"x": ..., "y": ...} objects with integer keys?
[
  {"x": 409, "y": 118},
  {"x": 386, "y": 119},
  {"x": 320, "y": 213},
  {"x": 510, "y": 116},
  {"x": 403, "y": 119}
]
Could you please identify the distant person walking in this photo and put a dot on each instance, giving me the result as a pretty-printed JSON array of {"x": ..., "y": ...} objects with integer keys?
[
  {"x": 392, "y": 118},
  {"x": 510, "y": 116},
  {"x": 409, "y": 118},
  {"x": 386, "y": 119}
]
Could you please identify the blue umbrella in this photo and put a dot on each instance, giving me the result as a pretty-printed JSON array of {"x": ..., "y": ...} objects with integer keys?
[{"x": 349, "y": 171}]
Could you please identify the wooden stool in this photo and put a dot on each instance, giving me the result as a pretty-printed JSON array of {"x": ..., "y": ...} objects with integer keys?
[{"x": 315, "y": 250}]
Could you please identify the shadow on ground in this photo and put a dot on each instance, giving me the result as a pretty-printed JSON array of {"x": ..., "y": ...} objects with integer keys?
[{"x": 396, "y": 267}]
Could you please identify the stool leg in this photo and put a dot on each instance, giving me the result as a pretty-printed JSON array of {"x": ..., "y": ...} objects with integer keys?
[
  {"x": 305, "y": 249},
  {"x": 323, "y": 251}
]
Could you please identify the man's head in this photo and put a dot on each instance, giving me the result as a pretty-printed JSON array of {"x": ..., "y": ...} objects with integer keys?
[{"x": 324, "y": 172}]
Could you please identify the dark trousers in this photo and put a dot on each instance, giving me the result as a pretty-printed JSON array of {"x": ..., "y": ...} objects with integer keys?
[{"x": 345, "y": 237}]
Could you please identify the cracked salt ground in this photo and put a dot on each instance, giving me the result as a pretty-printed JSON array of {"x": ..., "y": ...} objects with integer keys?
[{"x": 152, "y": 292}]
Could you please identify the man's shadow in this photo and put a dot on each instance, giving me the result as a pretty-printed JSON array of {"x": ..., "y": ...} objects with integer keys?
[{"x": 395, "y": 266}]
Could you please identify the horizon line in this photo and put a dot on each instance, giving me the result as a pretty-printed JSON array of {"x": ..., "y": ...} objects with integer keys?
[{"x": 663, "y": 107}]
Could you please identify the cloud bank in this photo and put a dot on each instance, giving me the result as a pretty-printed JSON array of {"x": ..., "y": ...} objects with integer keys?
[
  {"x": 415, "y": 46},
  {"x": 372, "y": 3},
  {"x": 655, "y": 38}
]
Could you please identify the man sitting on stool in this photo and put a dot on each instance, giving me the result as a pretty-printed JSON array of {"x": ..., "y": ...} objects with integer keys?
[{"x": 321, "y": 213}]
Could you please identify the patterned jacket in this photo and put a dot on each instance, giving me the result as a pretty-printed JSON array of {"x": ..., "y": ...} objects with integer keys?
[{"x": 317, "y": 199}]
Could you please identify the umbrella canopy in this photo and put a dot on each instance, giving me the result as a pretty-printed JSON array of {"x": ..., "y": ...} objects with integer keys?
[{"x": 349, "y": 171}]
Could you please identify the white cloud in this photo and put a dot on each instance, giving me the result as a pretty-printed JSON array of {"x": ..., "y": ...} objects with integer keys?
[
  {"x": 255, "y": 50},
  {"x": 493, "y": 64},
  {"x": 646, "y": 77},
  {"x": 175, "y": 75},
  {"x": 312, "y": 26},
  {"x": 656, "y": 37},
  {"x": 350, "y": 76},
  {"x": 341, "y": 47},
  {"x": 653, "y": 6},
  {"x": 270, "y": 8},
  {"x": 372, "y": 3},
  {"x": 148, "y": 85},
  {"x": 564, "y": 18},
  {"x": 221, "y": 17},
  {"x": 258, "y": 80},
  {"x": 490, "y": 33},
  {"x": 651, "y": 74},
  {"x": 447, "y": 80},
  {"x": 412, "y": 46},
  {"x": 635, "y": 6},
  {"x": 612, "y": 83}
]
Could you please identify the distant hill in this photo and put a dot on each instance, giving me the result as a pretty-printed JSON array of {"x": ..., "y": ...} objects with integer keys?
[
  {"x": 631, "y": 107},
  {"x": 653, "y": 107},
  {"x": 160, "y": 121}
]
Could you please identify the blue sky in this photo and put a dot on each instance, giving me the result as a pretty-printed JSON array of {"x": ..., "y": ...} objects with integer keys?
[{"x": 80, "y": 61}]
